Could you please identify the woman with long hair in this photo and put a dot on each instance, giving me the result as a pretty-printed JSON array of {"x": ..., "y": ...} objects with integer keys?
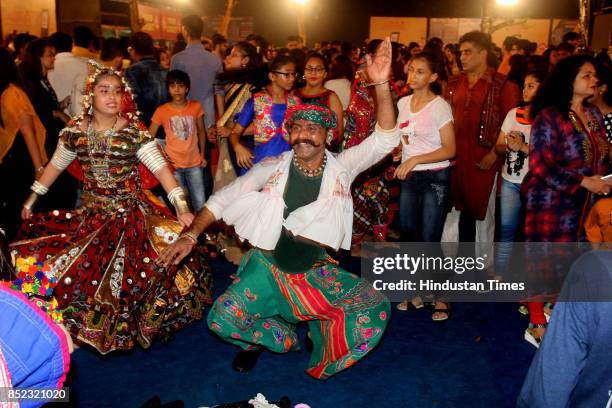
[
  {"x": 103, "y": 254},
  {"x": 513, "y": 145},
  {"x": 453, "y": 59},
  {"x": 242, "y": 75},
  {"x": 22, "y": 136},
  {"x": 316, "y": 70},
  {"x": 38, "y": 61},
  {"x": 428, "y": 143},
  {"x": 568, "y": 155}
]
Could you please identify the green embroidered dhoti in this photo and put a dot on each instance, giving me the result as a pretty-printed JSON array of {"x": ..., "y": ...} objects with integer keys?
[{"x": 346, "y": 315}]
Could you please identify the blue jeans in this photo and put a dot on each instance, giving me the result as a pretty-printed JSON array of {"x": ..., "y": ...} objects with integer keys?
[
  {"x": 192, "y": 178},
  {"x": 423, "y": 205},
  {"x": 509, "y": 211}
]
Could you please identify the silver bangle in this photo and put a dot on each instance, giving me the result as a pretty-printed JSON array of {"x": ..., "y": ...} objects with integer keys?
[
  {"x": 62, "y": 156},
  {"x": 151, "y": 157},
  {"x": 39, "y": 189}
]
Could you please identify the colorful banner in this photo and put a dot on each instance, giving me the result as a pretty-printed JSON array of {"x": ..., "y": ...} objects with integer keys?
[{"x": 160, "y": 23}]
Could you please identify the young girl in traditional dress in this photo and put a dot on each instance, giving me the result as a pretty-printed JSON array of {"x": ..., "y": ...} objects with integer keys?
[
  {"x": 266, "y": 110},
  {"x": 315, "y": 72},
  {"x": 102, "y": 254}
]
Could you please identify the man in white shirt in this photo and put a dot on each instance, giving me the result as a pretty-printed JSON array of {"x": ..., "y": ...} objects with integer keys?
[
  {"x": 300, "y": 203},
  {"x": 69, "y": 74}
]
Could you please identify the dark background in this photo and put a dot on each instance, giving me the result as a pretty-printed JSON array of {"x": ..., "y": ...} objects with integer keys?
[{"x": 350, "y": 19}]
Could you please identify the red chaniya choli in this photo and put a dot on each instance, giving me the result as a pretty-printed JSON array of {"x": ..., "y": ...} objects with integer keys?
[{"x": 103, "y": 253}]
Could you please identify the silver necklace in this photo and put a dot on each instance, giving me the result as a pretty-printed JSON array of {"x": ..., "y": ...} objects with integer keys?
[
  {"x": 310, "y": 173},
  {"x": 98, "y": 142}
]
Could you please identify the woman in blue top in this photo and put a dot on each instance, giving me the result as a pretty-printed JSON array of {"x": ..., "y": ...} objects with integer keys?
[{"x": 266, "y": 110}]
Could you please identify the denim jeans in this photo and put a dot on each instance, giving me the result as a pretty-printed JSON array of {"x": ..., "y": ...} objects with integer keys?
[
  {"x": 423, "y": 205},
  {"x": 510, "y": 211},
  {"x": 192, "y": 178}
]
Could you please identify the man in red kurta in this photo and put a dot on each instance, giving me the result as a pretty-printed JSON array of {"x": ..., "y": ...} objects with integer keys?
[{"x": 480, "y": 98}]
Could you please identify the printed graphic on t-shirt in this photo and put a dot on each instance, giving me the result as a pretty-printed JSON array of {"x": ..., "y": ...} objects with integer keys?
[
  {"x": 516, "y": 160},
  {"x": 182, "y": 126},
  {"x": 409, "y": 133}
]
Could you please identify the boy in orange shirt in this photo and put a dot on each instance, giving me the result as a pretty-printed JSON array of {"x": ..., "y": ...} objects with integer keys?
[{"x": 183, "y": 122}]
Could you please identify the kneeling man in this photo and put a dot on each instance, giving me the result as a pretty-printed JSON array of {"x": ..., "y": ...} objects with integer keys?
[{"x": 291, "y": 208}]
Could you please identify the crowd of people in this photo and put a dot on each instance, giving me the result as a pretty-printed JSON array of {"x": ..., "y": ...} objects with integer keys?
[{"x": 301, "y": 151}]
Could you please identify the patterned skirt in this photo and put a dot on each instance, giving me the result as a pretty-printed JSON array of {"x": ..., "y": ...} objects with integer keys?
[
  {"x": 110, "y": 289},
  {"x": 346, "y": 316}
]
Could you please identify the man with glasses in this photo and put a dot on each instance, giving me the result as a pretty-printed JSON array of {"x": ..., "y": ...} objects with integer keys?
[{"x": 291, "y": 208}]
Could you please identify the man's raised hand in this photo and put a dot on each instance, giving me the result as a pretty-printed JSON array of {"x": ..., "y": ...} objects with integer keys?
[{"x": 378, "y": 68}]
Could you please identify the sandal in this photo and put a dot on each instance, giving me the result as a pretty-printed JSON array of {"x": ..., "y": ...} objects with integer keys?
[
  {"x": 444, "y": 314},
  {"x": 531, "y": 338},
  {"x": 406, "y": 304}
]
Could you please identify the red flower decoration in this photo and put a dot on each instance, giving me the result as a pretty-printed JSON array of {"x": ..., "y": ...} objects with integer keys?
[{"x": 404, "y": 124}]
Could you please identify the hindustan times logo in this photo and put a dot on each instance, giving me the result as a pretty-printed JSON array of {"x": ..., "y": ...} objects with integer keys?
[{"x": 412, "y": 264}]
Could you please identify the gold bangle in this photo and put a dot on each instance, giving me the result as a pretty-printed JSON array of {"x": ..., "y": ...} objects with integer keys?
[
  {"x": 179, "y": 200},
  {"x": 31, "y": 200},
  {"x": 181, "y": 205},
  {"x": 192, "y": 236}
]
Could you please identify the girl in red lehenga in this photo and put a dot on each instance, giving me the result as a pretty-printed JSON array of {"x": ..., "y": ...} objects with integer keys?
[{"x": 102, "y": 255}]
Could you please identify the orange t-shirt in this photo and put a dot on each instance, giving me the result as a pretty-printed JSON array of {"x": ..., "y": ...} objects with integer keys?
[{"x": 181, "y": 132}]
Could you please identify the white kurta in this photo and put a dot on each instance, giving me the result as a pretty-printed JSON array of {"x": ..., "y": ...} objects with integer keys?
[
  {"x": 68, "y": 78},
  {"x": 254, "y": 202}
]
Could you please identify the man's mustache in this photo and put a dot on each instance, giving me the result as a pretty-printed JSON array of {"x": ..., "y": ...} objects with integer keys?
[{"x": 310, "y": 142}]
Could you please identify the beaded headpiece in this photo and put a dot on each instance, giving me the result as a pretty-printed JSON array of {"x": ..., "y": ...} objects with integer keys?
[
  {"x": 319, "y": 114},
  {"x": 128, "y": 106}
]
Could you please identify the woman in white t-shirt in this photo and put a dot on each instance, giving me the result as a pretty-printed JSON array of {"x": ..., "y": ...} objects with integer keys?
[
  {"x": 428, "y": 143},
  {"x": 513, "y": 144}
]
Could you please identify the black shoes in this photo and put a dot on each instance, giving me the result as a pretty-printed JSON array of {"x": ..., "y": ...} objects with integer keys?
[{"x": 246, "y": 360}]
